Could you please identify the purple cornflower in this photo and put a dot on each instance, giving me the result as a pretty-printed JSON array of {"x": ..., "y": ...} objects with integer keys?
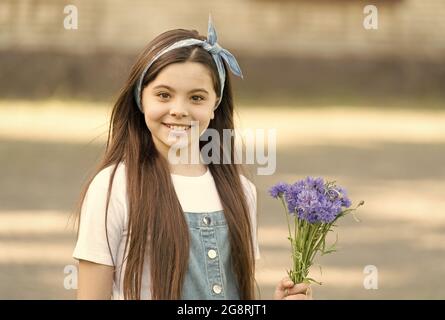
[
  {"x": 312, "y": 199},
  {"x": 278, "y": 189}
]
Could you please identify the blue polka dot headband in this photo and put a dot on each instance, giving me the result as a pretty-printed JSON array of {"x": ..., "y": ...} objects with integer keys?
[{"x": 218, "y": 53}]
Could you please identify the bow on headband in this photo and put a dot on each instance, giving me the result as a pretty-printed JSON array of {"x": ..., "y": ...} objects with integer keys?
[{"x": 218, "y": 53}]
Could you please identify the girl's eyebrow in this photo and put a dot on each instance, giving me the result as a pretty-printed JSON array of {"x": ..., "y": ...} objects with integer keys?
[{"x": 173, "y": 90}]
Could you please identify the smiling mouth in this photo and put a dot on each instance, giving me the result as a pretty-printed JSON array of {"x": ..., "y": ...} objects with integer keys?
[{"x": 177, "y": 127}]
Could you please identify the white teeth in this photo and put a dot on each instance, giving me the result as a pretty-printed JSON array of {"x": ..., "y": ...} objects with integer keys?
[{"x": 177, "y": 127}]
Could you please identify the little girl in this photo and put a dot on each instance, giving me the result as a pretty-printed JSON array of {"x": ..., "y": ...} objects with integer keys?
[{"x": 153, "y": 229}]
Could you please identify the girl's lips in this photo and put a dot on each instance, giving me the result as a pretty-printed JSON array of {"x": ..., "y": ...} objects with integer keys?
[
  {"x": 175, "y": 128},
  {"x": 181, "y": 131}
]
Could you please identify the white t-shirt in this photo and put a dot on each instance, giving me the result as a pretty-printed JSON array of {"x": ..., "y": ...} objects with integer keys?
[{"x": 195, "y": 194}]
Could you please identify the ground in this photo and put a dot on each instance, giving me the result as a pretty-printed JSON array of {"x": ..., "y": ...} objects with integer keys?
[{"x": 392, "y": 159}]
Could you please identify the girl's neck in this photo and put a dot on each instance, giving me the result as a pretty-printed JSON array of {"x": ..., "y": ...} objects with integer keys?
[
  {"x": 190, "y": 170},
  {"x": 185, "y": 169}
]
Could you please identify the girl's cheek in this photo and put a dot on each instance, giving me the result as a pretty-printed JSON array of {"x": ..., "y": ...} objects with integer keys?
[
  {"x": 151, "y": 105},
  {"x": 203, "y": 115},
  {"x": 154, "y": 112},
  {"x": 203, "y": 125}
]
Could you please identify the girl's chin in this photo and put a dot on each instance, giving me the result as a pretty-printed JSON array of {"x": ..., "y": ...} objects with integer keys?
[{"x": 178, "y": 142}]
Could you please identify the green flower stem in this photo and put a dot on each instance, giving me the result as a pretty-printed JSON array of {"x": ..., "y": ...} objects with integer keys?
[
  {"x": 287, "y": 217},
  {"x": 299, "y": 261},
  {"x": 319, "y": 241},
  {"x": 313, "y": 230},
  {"x": 307, "y": 240},
  {"x": 324, "y": 231}
]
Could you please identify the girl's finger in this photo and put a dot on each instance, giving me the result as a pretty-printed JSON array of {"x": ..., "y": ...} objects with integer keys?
[
  {"x": 309, "y": 293},
  {"x": 284, "y": 284},
  {"x": 299, "y": 288}
]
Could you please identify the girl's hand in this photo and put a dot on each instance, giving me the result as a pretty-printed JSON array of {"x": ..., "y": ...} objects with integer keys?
[{"x": 286, "y": 290}]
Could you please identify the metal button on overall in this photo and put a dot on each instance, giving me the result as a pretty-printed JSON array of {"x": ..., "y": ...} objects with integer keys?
[
  {"x": 217, "y": 289},
  {"x": 206, "y": 220},
  {"x": 212, "y": 254}
]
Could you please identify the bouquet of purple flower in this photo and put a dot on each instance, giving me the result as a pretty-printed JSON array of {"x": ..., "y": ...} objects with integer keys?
[{"x": 315, "y": 206}]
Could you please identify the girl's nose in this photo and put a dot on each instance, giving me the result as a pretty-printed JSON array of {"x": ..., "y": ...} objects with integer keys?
[{"x": 178, "y": 112}]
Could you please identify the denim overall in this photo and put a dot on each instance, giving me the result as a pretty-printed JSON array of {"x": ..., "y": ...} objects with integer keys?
[{"x": 209, "y": 275}]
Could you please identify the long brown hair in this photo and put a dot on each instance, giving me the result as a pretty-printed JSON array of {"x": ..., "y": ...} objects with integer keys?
[{"x": 156, "y": 226}]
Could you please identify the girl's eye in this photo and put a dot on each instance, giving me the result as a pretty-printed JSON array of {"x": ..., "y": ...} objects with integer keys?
[
  {"x": 163, "y": 95},
  {"x": 200, "y": 98}
]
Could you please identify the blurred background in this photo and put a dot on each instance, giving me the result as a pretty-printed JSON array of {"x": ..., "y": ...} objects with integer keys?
[{"x": 365, "y": 107}]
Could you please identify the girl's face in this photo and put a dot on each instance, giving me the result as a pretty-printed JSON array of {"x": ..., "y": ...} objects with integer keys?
[{"x": 180, "y": 94}]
